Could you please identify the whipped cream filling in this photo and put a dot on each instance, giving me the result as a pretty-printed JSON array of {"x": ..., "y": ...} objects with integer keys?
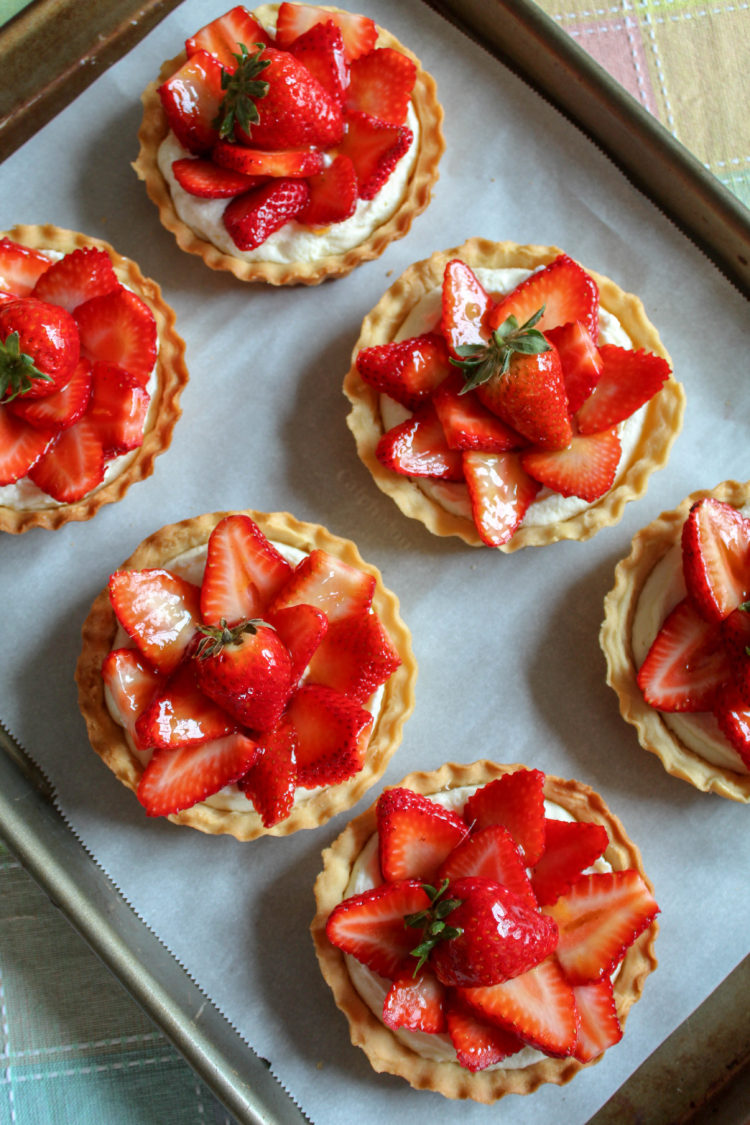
[
  {"x": 548, "y": 507},
  {"x": 373, "y": 988}
]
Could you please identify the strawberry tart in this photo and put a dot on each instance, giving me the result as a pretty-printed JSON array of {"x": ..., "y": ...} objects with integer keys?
[
  {"x": 485, "y": 929},
  {"x": 506, "y": 395},
  {"x": 676, "y": 635},
  {"x": 245, "y": 673},
  {"x": 290, "y": 144},
  {"x": 91, "y": 371}
]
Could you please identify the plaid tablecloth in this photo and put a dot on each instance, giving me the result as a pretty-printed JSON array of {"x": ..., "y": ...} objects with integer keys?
[{"x": 75, "y": 1049}]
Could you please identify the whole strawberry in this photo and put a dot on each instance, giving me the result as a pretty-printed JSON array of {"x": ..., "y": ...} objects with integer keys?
[
  {"x": 247, "y": 670},
  {"x": 39, "y": 348}
]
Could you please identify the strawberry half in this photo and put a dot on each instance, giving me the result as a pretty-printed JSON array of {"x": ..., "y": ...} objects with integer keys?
[
  {"x": 321, "y": 50},
  {"x": 407, "y": 370},
  {"x": 222, "y": 37},
  {"x": 159, "y": 612},
  {"x": 465, "y": 306},
  {"x": 374, "y": 148},
  {"x": 131, "y": 684},
  {"x": 716, "y": 558},
  {"x": 243, "y": 572},
  {"x": 333, "y": 194},
  {"x": 301, "y": 628},
  {"x": 381, "y": 84},
  {"x": 417, "y": 447},
  {"x": 119, "y": 327},
  {"x": 253, "y": 217},
  {"x": 569, "y": 848},
  {"x": 687, "y": 665},
  {"x": 355, "y": 656},
  {"x": 327, "y": 583},
  {"x": 73, "y": 464},
  {"x": 370, "y": 926},
  {"x": 203, "y": 178},
  {"x": 181, "y": 715},
  {"x": 177, "y": 779},
  {"x": 272, "y": 778},
  {"x": 628, "y": 379},
  {"x": 332, "y": 731},
  {"x": 21, "y": 446},
  {"x": 77, "y": 277},
  {"x": 416, "y": 1003},
  {"x": 585, "y": 468},
  {"x": 490, "y": 853},
  {"x": 477, "y": 1043},
  {"x": 191, "y": 99},
  {"x": 118, "y": 407},
  {"x": 20, "y": 267},
  {"x": 415, "y": 835},
  {"x": 359, "y": 32},
  {"x": 515, "y": 800},
  {"x": 563, "y": 287},
  {"x": 282, "y": 164},
  {"x": 500, "y": 491},
  {"x": 580, "y": 360},
  {"x": 599, "y": 1026}
]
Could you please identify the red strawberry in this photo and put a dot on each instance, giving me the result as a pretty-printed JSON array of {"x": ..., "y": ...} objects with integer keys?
[
  {"x": 251, "y": 218},
  {"x": 465, "y": 305},
  {"x": 119, "y": 327},
  {"x": 490, "y": 853},
  {"x": 598, "y": 919},
  {"x": 415, "y": 1003},
  {"x": 272, "y": 778},
  {"x": 356, "y": 656},
  {"x": 333, "y": 732},
  {"x": 530, "y": 397},
  {"x": 327, "y": 583},
  {"x": 381, "y": 83},
  {"x": 222, "y": 37},
  {"x": 733, "y": 716},
  {"x": 499, "y": 935},
  {"x": 359, "y": 32},
  {"x": 60, "y": 409},
  {"x": 417, "y": 447},
  {"x": 333, "y": 194},
  {"x": 301, "y": 628},
  {"x": 627, "y": 381},
  {"x": 73, "y": 464},
  {"x": 181, "y": 715},
  {"x": 242, "y": 571},
  {"x": 415, "y": 835},
  {"x": 76, "y": 277},
  {"x": 247, "y": 670},
  {"x": 477, "y": 1043},
  {"x": 38, "y": 348},
  {"x": 159, "y": 612},
  {"x": 131, "y": 684},
  {"x": 321, "y": 50},
  {"x": 191, "y": 98},
  {"x": 178, "y": 779},
  {"x": 515, "y": 800},
  {"x": 370, "y": 926},
  {"x": 569, "y": 848},
  {"x": 585, "y": 468},
  {"x": 118, "y": 409},
  {"x": 207, "y": 180},
  {"x": 20, "y": 267},
  {"x": 538, "y": 1007},
  {"x": 406, "y": 370},
  {"x": 580, "y": 359},
  {"x": 374, "y": 148},
  {"x": 735, "y": 635},
  {"x": 686, "y": 665},
  {"x": 467, "y": 424},
  {"x": 280, "y": 165},
  {"x": 599, "y": 1026},
  {"x": 21, "y": 446},
  {"x": 565, "y": 290},
  {"x": 716, "y": 558},
  {"x": 500, "y": 492}
]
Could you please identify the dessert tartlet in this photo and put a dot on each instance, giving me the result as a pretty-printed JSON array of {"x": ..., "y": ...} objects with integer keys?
[
  {"x": 290, "y": 144},
  {"x": 530, "y": 927},
  {"x": 246, "y": 673},
  {"x": 91, "y": 372},
  {"x": 503, "y": 394},
  {"x": 676, "y": 633}
]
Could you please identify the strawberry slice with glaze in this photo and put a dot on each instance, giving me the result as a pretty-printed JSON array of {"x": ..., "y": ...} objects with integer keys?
[
  {"x": 627, "y": 381},
  {"x": 599, "y": 1026},
  {"x": 687, "y": 665},
  {"x": 586, "y": 467},
  {"x": 21, "y": 446},
  {"x": 327, "y": 583},
  {"x": 77, "y": 277},
  {"x": 191, "y": 98},
  {"x": 321, "y": 50},
  {"x": 159, "y": 611},
  {"x": 500, "y": 491},
  {"x": 283, "y": 164},
  {"x": 271, "y": 781},
  {"x": 716, "y": 558},
  {"x": 178, "y": 779},
  {"x": 406, "y": 370},
  {"x": 206, "y": 180},
  {"x": 355, "y": 656},
  {"x": 733, "y": 716},
  {"x": 222, "y": 37},
  {"x": 118, "y": 407},
  {"x": 73, "y": 464},
  {"x": 374, "y": 148},
  {"x": 332, "y": 735},
  {"x": 293, "y": 20},
  {"x": 515, "y": 800},
  {"x": 119, "y": 327},
  {"x": 416, "y": 1003},
  {"x": 20, "y": 267},
  {"x": 490, "y": 853},
  {"x": 415, "y": 835},
  {"x": 735, "y": 634},
  {"x": 477, "y": 1043},
  {"x": 465, "y": 306},
  {"x": 580, "y": 360},
  {"x": 333, "y": 194},
  {"x": 467, "y": 423},
  {"x": 417, "y": 447},
  {"x": 569, "y": 848},
  {"x": 181, "y": 715},
  {"x": 301, "y": 628},
  {"x": 243, "y": 572},
  {"x": 131, "y": 684},
  {"x": 253, "y": 217},
  {"x": 60, "y": 409},
  {"x": 370, "y": 926},
  {"x": 563, "y": 287},
  {"x": 381, "y": 84}
]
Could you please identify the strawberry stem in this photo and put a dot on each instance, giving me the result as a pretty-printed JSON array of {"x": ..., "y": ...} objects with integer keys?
[
  {"x": 432, "y": 922},
  {"x": 480, "y": 362},
  {"x": 242, "y": 86},
  {"x": 216, "y": 637},
  {"x": 17, "y": 369}
]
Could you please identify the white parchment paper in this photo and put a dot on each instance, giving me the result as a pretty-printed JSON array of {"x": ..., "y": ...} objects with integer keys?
[{"x": 510, "y": 666}]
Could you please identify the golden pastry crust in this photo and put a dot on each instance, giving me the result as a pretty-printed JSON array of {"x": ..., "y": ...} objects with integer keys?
[
  {"x": 620, "y": 605},
  {"x": 154, "y": 129},
  {"x": 663, "y": 419},
  {"x": 109, "y": 740},
  {"x": 171, "y": 376},
  {"x": 384, "y": 1050}
]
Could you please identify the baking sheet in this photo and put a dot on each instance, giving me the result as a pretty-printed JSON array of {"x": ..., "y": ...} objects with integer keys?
[{"x": 264, "y": 399}]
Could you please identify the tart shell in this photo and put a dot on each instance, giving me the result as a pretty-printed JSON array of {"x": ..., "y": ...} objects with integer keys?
[
  {"x": 663, "y": 418},
  {"x": 648, "y": 548},
  {"x": 384, "y": 1050},
  {"x": 109, "y": 740},
  {"x": 154, "y": 129},
  {"x": 171, "y": 376}
]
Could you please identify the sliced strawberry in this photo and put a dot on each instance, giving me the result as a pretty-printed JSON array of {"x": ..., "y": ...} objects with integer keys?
[
  {"x": 735, "y": 635},
  {"x": 716, "y": 558},
  {"x": 60, "y": 409},
  {"x": 243, "y": 571},
  {"x": 283, "y": 164},
  {"x": 569, "y": 848},
  {"x": 585, "y": 468},
  {"x": 77, "y": 277},
  {"x": 687, "y": 665},
  {"x": 415, "y": 835},
  {"x": 515, "y": 800},
  {"x": 563, "y": 287},
  {"x": 181, "y": 715},
  {"x": 359, "y": 32},
  {"x": 118, "y": 409},
  {"x": 477, "y": 1043},
  {"x": 178, "y": 779},
  {"x": 416, "y": 1003},
  {"x": 272, "y": 778},
  {"x": 417, "y": 447},
  {"x": 628, "y": 380},
  {"x": 490, "y": 853},
  {"x": 251, "y": 218},
  {"x": 321, "y": 50},
  {"x": 201, "y": 177},
  {"x": 191, "y": 98},
  {"x": 356, "y": 656},
  {"x": 301, "y": 628},
  {"x": 20, "y": 267},
  {"x": 21, "y": 446},
  {"x": 538, "y": 1007},
  {"x": 733, "y": 716},
  {"x": 580, "y": 359},
  {"x": 467, "y": 424},
  {"x": 465, "y": 306},
  {"x": 406, "y": 370},
  {"x": 119, "y": 327},
  {"x": 131, "y": 684},
  {"x": 333, "y": 194},
  {"x": 370, "y": 926},
  {"x": 599, "y": 1026},
  {"x": 327, "y": 583},
  {"x": 381, "y": 84},
  {"x": 374, "y": 148},
  {"x": 222, "y": 37},
  {"x": 73, "y": 464},
  {"x": 159, "y": 611},
  {"x": 333, "y": 732},
  {"x": 500, "y": 491}
]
